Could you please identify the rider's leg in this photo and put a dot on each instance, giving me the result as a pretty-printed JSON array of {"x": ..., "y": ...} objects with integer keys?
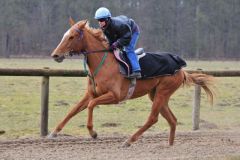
[{"x": 133, "y": 57}]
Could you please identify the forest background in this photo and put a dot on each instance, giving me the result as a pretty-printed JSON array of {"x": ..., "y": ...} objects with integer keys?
[{"x": 194, "y": 29}]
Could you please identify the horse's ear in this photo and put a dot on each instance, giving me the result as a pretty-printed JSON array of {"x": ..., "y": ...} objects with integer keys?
[
  {"x": 71, "y": 21},
  {"x": 85, "y": 22}
]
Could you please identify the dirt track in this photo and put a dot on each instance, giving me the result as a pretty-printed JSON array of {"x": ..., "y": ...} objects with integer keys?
[{"x": 188, "y": 145}]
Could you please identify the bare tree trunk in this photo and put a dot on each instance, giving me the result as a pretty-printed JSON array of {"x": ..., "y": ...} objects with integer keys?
[
  {"x": 197, "y": 30},
  {"x": 6, "y": 52}
]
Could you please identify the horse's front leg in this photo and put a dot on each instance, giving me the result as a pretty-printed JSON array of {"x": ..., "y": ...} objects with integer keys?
[
  {"x": 76, "y": 109},
  {"x": 107, "y": 98}
]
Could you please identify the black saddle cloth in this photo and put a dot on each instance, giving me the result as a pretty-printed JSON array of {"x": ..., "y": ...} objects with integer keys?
[
  {"x": 160, "y": 64},
  {"x": 155, "y": 64}
]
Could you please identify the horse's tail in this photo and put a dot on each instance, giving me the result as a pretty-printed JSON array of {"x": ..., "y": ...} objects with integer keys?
[{"x": 203, "y": 80}]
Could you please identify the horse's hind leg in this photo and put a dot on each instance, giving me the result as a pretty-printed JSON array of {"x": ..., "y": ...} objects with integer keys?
[
  {"x": 168, "y": 115},
  {"x": 172, "y": 121},
  {"x": 172, "y": 114},
  {"x": 152, "y": 119}
]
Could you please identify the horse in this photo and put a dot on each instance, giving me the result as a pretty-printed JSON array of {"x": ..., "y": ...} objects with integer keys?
[{"x": 106, "y": 85}]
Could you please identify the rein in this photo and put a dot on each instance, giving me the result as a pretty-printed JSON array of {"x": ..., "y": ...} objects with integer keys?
[
  {"x": 71, "y": 53},
  {"x": 95, "y": 72},
  {"x": 91, "y": 76}
]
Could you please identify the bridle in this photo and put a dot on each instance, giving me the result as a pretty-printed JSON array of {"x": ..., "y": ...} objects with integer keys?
[{"x": 84, "y": 52}]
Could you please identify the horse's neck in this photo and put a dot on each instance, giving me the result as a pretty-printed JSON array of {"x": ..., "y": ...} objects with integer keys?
[{"x": 94, "y": 59}]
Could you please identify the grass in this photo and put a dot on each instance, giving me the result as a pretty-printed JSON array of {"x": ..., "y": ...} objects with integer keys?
[{"x": 20, "y": 103}]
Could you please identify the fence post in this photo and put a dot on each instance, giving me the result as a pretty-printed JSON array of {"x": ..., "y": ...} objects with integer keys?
[
  {"x": 196, "y": 106},
  {"x": 44, "y": 105}
]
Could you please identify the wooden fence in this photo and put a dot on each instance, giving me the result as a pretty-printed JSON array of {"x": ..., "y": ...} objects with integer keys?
[{"x": 45, "y": 73}]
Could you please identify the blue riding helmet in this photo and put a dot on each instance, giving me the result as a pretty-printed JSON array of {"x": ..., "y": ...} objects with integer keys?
[{"x": 102, "y": 13}]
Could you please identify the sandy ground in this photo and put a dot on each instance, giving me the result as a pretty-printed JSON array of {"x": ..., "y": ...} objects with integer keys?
[{"x": 188, "y": 145}]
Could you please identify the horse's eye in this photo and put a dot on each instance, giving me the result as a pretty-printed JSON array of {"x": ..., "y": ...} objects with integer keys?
[{"x": 71, "y": 37}]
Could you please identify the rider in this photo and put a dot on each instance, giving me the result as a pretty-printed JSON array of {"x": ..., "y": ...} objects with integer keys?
[{"x": 121, "y": 32}]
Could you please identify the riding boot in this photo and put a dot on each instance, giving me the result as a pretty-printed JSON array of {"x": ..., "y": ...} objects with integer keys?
[{"x": 136, "y": 71}]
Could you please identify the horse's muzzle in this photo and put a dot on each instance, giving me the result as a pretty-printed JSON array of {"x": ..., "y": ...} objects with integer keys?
[{"x": 58, "y": 58}]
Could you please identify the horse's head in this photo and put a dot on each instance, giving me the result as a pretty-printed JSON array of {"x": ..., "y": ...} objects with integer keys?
[{"x": 71, "y": 41}]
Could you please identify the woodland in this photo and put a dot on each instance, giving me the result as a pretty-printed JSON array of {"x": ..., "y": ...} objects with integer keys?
[{"x": 195, "y": 29}]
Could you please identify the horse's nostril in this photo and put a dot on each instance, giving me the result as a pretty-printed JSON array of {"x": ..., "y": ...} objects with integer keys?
[{"x": 55, "y": 56}]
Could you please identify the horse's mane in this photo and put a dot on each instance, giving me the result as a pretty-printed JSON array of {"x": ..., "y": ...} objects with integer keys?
[{"x": 98, "y": 34}]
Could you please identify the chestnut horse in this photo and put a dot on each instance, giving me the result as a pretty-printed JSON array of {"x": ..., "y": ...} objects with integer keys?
[{"x": 110, "y": 87}]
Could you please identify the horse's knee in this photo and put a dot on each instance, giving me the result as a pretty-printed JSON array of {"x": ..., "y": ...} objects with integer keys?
[
  {"x": 153, "y": 119},
  {"x": 91, "y": 105}
]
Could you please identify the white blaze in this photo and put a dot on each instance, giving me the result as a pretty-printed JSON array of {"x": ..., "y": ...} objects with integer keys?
[{"x": 65, "y": 34}]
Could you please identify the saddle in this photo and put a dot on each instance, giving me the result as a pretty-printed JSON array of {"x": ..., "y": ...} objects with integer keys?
[{"x": 152, "y": 64}]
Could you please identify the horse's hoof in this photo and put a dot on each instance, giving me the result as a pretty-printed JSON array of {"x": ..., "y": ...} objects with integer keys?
[
  {"x": 126, "y": 144},
  {"x": 94, "y": 135},
  {"x": 52, "y": 135}
]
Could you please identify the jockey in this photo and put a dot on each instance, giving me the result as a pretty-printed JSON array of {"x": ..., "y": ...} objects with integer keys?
[{"x": 121, "y": 32}]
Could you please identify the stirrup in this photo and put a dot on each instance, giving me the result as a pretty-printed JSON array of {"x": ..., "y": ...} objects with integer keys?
[{"x": 135, "y": 75}]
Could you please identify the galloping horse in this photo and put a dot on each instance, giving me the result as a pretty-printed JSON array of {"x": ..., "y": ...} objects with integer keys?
[{"x": 111, "y": 87}]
